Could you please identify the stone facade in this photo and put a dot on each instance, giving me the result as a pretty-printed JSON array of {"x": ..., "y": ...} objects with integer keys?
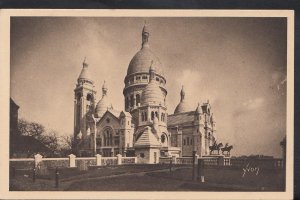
[{"x": 144, "y": 128}]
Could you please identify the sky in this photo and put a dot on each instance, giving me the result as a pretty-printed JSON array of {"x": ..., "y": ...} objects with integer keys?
[{"x": 238, "y": 64}]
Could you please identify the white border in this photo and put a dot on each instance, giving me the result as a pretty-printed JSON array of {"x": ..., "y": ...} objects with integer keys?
[{"x": 4, "y": 102}]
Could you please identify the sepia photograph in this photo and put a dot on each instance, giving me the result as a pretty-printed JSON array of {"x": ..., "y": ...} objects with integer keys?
[{"x": 149, "y": 103}]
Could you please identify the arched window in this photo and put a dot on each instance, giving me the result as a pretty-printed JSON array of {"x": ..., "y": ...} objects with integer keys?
[
  {"x": 163, "y": 138},
  {"x": 146, "y": 116},
  {"x": 138, "y": 99},
  {"x": 89, "y": 97},
  {"x": 183, "y": 141},
  {"x": 143, "y": 116},
  {"x": 110, "y": 139},
  {"x": 107, "y": 138},
  {"x": 152, "y": 115},
  {"x": 131, "y": 100},
  {"x": 187, "y": 141},
  {"x": 156, "y": 114}
]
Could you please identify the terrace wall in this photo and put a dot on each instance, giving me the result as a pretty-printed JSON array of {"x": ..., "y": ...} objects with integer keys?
[
  {"x": 217, "y": 161},
  {"x": 81, "y": 162}
]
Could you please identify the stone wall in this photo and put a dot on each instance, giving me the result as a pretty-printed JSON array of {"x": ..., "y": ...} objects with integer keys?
[
  {"x": 72, "y": 162},
  {"x": 217, "y": 161}
]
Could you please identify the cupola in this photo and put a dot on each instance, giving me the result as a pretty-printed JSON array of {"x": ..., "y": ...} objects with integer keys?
[
  {"x": 183, "y": 105},
  {"x": 104, "y": 104},
  {"x": 152, "y": 93},
  {"x": 84, "y": 74}
]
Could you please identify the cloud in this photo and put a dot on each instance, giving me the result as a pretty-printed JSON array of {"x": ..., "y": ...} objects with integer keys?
[
  {"x": 253, "y": 104},
  {"x": 278, "y": 84},
  {"x": 189, "y": 78}
]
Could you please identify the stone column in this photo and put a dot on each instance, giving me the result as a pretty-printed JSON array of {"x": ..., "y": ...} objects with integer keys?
[
  {"x": 72, "y": 160},
  {"x": 37, "y": 159},
  {"x": 98, "y": 160},
  {"x": 119, "y": 157}
]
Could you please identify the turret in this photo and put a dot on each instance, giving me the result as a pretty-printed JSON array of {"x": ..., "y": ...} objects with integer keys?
[{"x": 84, "y": 101}]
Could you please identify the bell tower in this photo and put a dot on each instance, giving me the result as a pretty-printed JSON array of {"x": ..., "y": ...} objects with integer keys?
[{"x": 84, "y": 101}]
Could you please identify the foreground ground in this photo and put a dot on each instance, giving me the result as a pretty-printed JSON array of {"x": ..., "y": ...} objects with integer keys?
[{"x": 148, "y": 178}]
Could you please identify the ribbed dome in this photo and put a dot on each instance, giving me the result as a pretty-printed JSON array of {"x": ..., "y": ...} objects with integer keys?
[
  {"x": 152, "y": 94},
  {"x": 143, "y": 58},
  {"x": 104, "y": 104},
  {"x": 183, "y": 106}
]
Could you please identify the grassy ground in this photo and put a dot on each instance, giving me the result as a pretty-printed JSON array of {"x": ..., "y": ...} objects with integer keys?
[{"x": 148, "y": 178}]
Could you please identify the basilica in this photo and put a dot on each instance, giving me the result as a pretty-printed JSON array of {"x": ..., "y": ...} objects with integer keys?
[{"x": 145, "y": 128}]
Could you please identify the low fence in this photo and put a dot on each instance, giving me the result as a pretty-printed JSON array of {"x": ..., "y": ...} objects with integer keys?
[
  {"x": 216, "y": 161},
  {"x": 81, "y": 162}
]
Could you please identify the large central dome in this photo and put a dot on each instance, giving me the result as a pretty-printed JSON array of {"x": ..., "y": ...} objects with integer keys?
[
  {"x": 142, "y": 60},
  {"x": 144, "y": 57}
]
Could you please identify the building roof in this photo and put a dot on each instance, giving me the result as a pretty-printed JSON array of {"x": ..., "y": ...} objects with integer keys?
[
  {"x": 141, "y": 61},
  {"x": 183, "y": 105},
  {"x": 104, "y": 103},
  {"x": 84, "y": 74},
  {"x": 13, "y": 104},
  {"x": 147, "y": 138},
  {"x": 186, "y": 118},
  {"x": 152, "y": 93}
]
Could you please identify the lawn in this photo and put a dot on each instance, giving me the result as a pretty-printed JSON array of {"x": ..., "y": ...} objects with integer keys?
[{"x": 149, "y": 178}]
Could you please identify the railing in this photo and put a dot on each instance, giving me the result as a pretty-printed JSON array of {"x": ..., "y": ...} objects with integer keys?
[
  {"x": 109, "y": 161},
  {"x": 72, "y": 161},
  {"x": 128, "y": 160},
  {"x": 183, "y": 160},
  {"x": 266, "y": 163},
  {"x": 165, "y": 160},
  {"x": 211, "y": 161},
  {"x": 227, "y": 162}
]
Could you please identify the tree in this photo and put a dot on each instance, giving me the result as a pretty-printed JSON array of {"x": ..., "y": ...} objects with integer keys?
[
  {"x": 27, "y": 128},
  {"x": 50, "y": 139},
  {"x": 67, "y": 144},
  {"x": 38, "y": 131}
]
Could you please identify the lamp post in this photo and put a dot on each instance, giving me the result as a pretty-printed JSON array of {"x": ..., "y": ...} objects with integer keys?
[{"x": 95, "y": 133}]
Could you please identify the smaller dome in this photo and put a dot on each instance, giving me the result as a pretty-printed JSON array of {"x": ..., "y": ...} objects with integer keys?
[
  {"x": 152, "y": 93},
  {"x": 183, "y": 106},
  {"x": 104, "y": 104},
  {"x": 84, "y": 74},
  {"x": 198, "y": 109}
]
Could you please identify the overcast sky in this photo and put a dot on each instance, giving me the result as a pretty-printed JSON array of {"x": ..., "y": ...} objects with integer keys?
[{"x": 239, "y": 64}]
